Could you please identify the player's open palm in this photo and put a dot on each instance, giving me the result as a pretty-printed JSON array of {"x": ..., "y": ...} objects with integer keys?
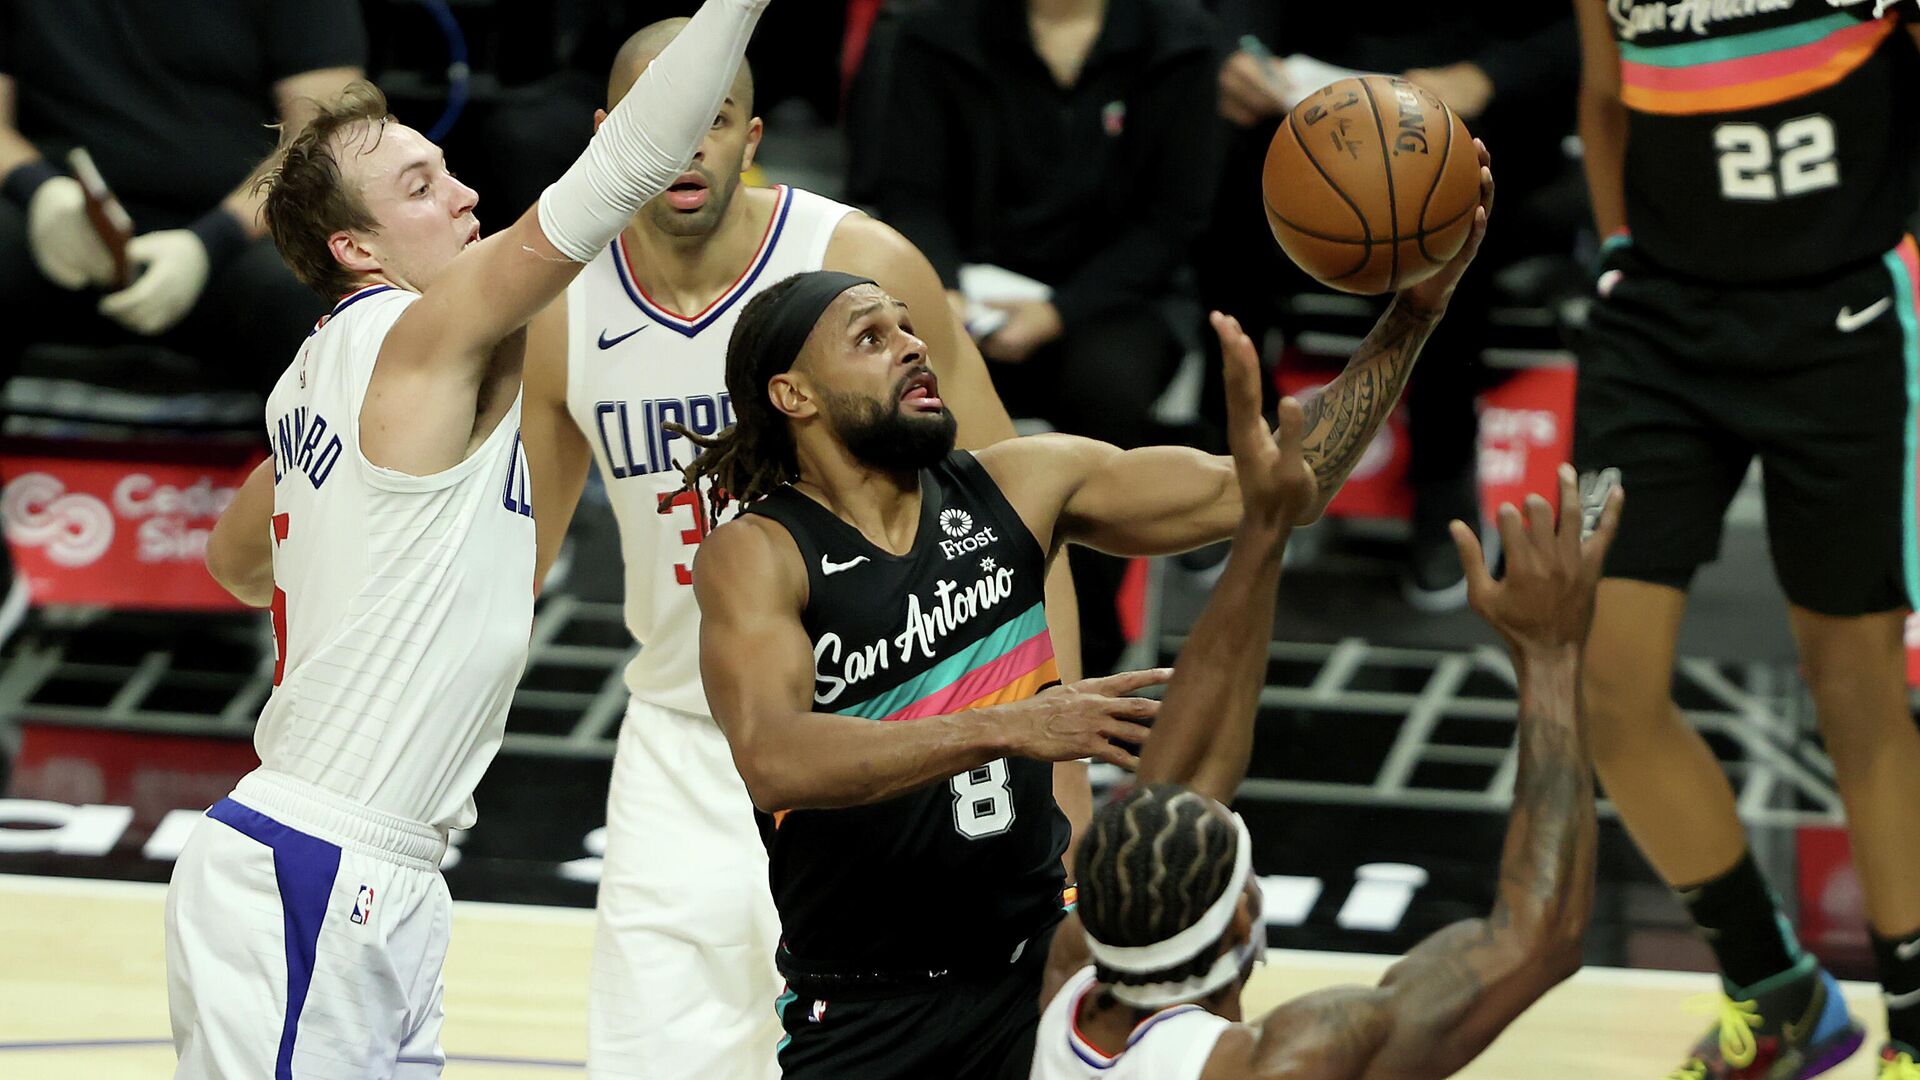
[
  {"x": 1276, "y": 482},
  {"x": 1082, "y": 719},
  {"x": 1433, "y": 293},
  {"x": 1545, "y": 599}
]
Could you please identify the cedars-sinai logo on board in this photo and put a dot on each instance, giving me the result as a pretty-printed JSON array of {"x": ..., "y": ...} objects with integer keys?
[{"x": 956, "y": 523}]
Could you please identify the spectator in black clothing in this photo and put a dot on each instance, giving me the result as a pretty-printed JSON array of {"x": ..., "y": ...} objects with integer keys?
[
  {"x": 1064, "y": 140},
  {"x": 1507, "y": 67},
  {"x": 174, "y": 102}
]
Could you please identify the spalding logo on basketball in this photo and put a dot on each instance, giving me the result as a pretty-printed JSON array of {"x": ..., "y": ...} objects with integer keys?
[{"x": 1370, "y": 184}]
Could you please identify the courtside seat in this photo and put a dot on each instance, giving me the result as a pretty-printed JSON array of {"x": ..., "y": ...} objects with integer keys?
[{"x": 124, "y": 386}]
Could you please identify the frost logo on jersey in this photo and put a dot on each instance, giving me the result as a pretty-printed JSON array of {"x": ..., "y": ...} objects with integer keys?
[
  {"x": 646, "y": 447},
  {"x": 74, "y": 527},
  {"x": 301, "y": 443},
  {"x": 1635, "y": 17},
  {"x": 362, "y": 907},
  {"x": 927, "y": 625},
  {"x": 957, "y": 523}
]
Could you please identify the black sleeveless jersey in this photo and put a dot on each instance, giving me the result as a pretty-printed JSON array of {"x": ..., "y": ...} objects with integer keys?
[
  {"x": 1768, "y": 140},
  {"x": 956, "y": 874}
]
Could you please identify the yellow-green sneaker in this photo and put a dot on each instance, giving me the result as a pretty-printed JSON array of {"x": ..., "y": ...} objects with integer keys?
[{"x": 1752, "y": 1038}]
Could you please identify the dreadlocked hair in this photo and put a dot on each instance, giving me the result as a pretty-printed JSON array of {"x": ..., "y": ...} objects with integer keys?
[
  {"x": 754, "y": 455},
  {"x": 1152, "y": 862}
]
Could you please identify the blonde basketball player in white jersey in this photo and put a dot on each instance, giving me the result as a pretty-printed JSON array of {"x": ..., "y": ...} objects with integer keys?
[
  {"x": 683, "y": 982},
  {"x": 392, "y": 534}
]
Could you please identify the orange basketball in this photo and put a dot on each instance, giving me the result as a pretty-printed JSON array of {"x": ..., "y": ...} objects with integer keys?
[{"x": 1370, "y": 184}]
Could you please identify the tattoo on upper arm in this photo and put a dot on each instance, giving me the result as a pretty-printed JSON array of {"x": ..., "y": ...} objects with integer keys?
[{"x": 1343, "y": 417}]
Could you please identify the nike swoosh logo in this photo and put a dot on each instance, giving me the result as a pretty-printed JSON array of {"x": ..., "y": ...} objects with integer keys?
[
  {"x": 608, "y": 343},
  {"x": 1901, "y": 1001},
  {"x": 1907, "y": 950},
  {"x": 1800, "y": 1032},
  {"x": 1850, "y": 320},
  {"x": 828, "y": 566}
]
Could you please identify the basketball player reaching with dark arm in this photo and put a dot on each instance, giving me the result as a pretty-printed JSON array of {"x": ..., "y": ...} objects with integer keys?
[
  {"x": 1150, "y": 501},
  {"x": 1166, "y": 884}
]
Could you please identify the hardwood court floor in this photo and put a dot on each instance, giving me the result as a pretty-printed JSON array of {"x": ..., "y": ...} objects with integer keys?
[{"x": 83, "y": 995}]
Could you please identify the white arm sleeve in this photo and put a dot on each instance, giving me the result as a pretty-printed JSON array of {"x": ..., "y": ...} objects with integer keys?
[{"x": 651, "y": 136}]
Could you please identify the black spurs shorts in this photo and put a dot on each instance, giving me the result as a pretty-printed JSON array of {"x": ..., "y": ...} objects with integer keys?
[{"x": 1683, "y": 383}]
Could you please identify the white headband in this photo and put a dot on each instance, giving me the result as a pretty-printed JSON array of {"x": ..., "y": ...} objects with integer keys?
[{"x": 1185, "y": 945}]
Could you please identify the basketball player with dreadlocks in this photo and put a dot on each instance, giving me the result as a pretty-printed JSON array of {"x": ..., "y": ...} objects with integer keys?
[
  {"x": 877, "y": 575},
  {"x": 1145, "y": 976},
  {"x": 685, "y": 929}
]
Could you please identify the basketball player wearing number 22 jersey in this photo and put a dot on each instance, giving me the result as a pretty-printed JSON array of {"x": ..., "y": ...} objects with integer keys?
[
  {"x": 683, "y": 981},
  {"x": 1756, "y": 166},
  {"x": 392, "y": 534}
]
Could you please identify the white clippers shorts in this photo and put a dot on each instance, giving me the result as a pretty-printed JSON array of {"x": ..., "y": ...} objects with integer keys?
[
  {"x": 305, "y": 937},
  {"x": 683, "y": 977}
]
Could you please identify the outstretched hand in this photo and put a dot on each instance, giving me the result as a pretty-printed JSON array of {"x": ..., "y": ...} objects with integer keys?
[
  {"x": 1431, "y": 295},
  {"x": 1276, "y": 481},
  {"x": 1545, "y": 600}
]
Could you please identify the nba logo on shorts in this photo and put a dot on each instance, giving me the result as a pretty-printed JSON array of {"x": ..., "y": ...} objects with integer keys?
[
  {"x": 819, "y": 1012},
  {"x": 1113, "y": 118},
  {"x": 362, "y": 907}
]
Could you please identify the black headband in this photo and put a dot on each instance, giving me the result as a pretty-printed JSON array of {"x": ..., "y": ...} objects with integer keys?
[{"x": 793, "y": 317}]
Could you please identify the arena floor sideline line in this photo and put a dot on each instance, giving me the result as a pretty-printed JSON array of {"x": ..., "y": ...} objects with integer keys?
[{"x": 83, "y": 994}]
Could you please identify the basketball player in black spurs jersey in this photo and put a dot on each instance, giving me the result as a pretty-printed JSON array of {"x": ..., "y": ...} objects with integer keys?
[
  {"x": 878, "y": 576},
  {"x": 1755, "y": 166}
]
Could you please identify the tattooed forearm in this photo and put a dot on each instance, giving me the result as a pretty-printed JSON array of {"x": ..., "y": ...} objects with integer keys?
[{"x": 1343, "y": 417}]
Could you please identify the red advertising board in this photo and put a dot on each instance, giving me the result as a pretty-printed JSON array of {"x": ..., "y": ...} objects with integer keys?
[
  {"x": 117, "y": 531},
  {"x": 1526, "y": 431},
  {"x": 1832, "y": 905},
  {"x": 153, "y": 774}
]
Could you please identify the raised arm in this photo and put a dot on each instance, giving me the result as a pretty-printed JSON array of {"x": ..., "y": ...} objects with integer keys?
[
  {"x": 1204, "y": 734},
  {"x": 758, "y": 668},
  {"x": 496, "y": 286},
  {"x": 1344, "y": 416},
  {"x": 1445, "y": 1002},
  {"x": 1603, "y": 117},
  {"x": 1158, "y": 500}
]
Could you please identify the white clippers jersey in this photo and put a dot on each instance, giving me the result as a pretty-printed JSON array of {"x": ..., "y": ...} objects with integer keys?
[
  {"x": 403, "y": 603},
  {"x": 632, "y": 367},
  {"x": 1172, "y": 1044}
]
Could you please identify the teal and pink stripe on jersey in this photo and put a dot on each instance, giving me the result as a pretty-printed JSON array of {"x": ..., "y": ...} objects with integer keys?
[
  {"x": 1746, "y": 71},
  {"x": 1903, "y": 266},
  {"x": 1014, "y": 661}
]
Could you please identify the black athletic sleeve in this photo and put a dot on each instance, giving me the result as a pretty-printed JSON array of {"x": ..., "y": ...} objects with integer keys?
[{"x": 308, "y": 35}]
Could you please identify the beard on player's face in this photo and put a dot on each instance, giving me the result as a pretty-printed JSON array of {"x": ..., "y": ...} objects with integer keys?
[{"x": 880, "y": 435}]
